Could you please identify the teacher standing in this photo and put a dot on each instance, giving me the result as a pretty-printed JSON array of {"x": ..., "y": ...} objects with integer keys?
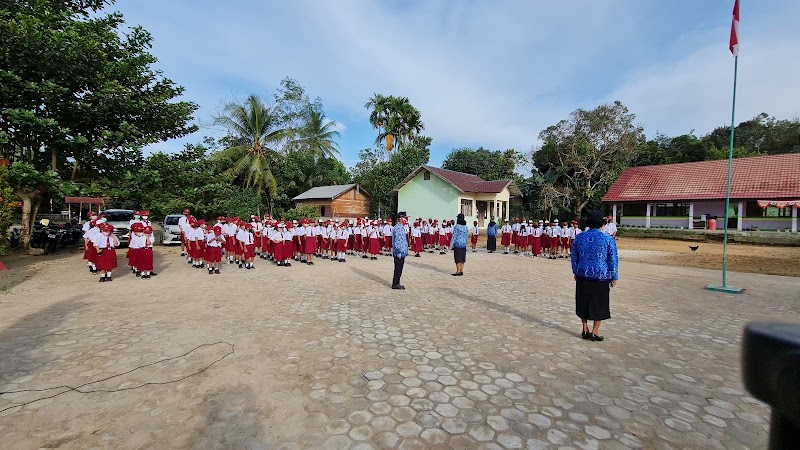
[
  {"x": 595, "y": 267},
  {"x": 491, "y": 236},
  {"x": 459, "y": 244},
  {"x": 399, "y": 249}
]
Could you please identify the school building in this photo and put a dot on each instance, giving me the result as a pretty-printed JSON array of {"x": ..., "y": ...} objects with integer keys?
[
  {"x": 765, "y": 194},
  {"x": 433, "y": 193},
  {"x": 343, "y": 201}
]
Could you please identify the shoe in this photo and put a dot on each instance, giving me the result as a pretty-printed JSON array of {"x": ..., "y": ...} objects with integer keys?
[
  {"x": 145, "y": 277},
  {"x": 474, "y": 251},
  {"x": 454, "y": 274},
  {"x": 109, "y": 279},
  {"x": 461, "y": 274},
  {"x": 288, "y": 264},
  {"x": 398, "y": 286},
  {"x": 280, "y": 264},
  {"x": 102, "y": 279},
  {"x": 431, "y": 251},
  {"x": 152, "y": 274},
  {"x": 310, "y": 263},
  {"x": 586, "y": 335},
  {"x": 210, "y": 272},
  {"x": 240, "y": 265},
  {"x": 595, "y": 337},
  {"x": 342, "y": 260},
  {"x": 183, "y": 253},
  {"x": 216, "y": 271},
  {"x": 515, "y": 252},
  {"x": 441, "y": 253},
  {"x": 417, "y": 256},
  {"x": 188, "y": 261},
  {"x": 505, "y": 253},
  {"x": 365, "y": 256},
  {"x": 138, "y": 274}
]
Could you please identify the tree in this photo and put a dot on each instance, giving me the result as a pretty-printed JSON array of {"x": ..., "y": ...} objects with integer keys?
[
  {"x": 29, "y": 185},
  {"x": 316, "y": 135},
  {"x": 394, "y": 118},
  {"x": 487, "y": 164},
  {"x": 589, "y": 150},
  {"x": 76, "y": 89},
  {"x": 257, "y": 138},
  {"x": 7, "y": 206}
]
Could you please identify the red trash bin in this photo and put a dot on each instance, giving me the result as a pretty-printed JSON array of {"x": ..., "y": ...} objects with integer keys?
[{"x": 712, "y": 224}]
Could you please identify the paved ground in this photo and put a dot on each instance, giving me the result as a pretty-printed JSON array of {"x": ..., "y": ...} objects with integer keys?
[{"x": 329, "y": 357}]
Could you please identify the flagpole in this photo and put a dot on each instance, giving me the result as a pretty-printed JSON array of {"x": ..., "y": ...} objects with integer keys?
[{"x": 734, "y": 46}]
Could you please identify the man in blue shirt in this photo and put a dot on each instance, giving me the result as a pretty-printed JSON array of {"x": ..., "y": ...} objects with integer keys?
[{"x": 399, "y": 249}]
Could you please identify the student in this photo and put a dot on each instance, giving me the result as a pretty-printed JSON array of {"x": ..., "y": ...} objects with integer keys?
[
  {"x": 343, "y": 235},
  {"x": 474, "y": 237},
  {"x": 417, "y": 245},
  {"x": 239, "y": 248},
  {"x": 374, "y": 240},
  {"x": 505, "y": 241},
  {"x": 135, "y": 243},
  {"x": 288, "y": 244},
  {"x": 515, "y": 226},
  {"x": 310, "y": 242},
  {"x": 546, "y": 239},
  {"x": 215, "y": 240},
  {"x": 536, "y": 239},
  {"x": 565, "y": 239},
  {"x": 522, "y": 239},
  {"x": 105, "y": 242},
  {"x": 145, "y": 219},
  {"x": 386, "y": 231},
  {"x": 357, "y": 240},
  {"x": 443, "y": 242},
  {"x": 183, "y": 224},
  {"x": 229, "y": 230},
  {"x": 257, "y": 229},
  {"x": 277, "y": 244},
  {"x": 554, "y": 235},
  {"x": 90, "y": 230},
  {"x": 144, "y": 258},
  {"x": 351, "y": 238},
  {"x": 433, "y": 236}
]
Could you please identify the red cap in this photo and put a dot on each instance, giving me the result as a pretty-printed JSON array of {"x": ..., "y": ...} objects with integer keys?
[
  {"x": 137, "y": 226},
  {"x": 91, "y": 214},
  {"x": 144, "y": 213},
  {"x": 247, "y": 226},
  {"x": 201, "y": 222},
  {"x": 217, "y": 230},
  {"x": 148, "y": 229}
]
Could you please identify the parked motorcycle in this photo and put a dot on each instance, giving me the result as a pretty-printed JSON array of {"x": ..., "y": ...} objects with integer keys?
[{"x": 14, "y": 238}]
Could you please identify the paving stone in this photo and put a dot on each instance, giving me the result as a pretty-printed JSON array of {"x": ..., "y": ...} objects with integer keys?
[
  {"x": 386, "y": 439},
  {"x": 408, "y": 429},
  {"x": 481, "y": 433},
  {"x": 454, "y": 425},
  {"x": 597, "y": 432}
]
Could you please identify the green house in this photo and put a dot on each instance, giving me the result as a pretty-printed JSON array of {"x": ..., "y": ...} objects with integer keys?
[{"x": 434, "y": 193}]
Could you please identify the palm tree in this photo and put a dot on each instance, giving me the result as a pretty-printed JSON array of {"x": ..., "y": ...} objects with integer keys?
[
  {"x": 257, "y": 139},
  {"x": 316, "y": 135},
  {"x": 394, "y": 118}
]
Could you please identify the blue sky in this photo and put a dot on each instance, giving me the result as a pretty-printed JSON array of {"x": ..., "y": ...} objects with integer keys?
[{"x": 483, "y": 73}]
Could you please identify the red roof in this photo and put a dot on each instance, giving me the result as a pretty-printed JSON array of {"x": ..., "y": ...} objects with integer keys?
[
  {"x": 465, "y": 182},
  {"x": 759, "y": 177}
]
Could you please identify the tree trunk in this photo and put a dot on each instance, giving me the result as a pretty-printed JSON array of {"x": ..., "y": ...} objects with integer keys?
[
  {"x": 74, "y": 170},
  {"x": 27, "y": 222},
  {"x": 53, "y": 159}
]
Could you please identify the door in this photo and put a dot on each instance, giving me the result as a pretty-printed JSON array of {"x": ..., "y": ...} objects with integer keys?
[{"x": 481, "y": 212}]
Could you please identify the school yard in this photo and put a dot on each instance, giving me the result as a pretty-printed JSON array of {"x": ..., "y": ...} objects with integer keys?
[{"x": 328, "y": 357}]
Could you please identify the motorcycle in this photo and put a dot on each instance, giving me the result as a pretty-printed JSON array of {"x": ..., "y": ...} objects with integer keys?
[
  {"x": 48, "y": 237},
  {"x": 14, "y": 238}
]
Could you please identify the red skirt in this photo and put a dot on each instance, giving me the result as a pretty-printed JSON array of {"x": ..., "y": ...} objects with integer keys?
[
  {"x": 387, "y": 242},
  {"x": 545, "y": 241},
  {"x": 474, "y": 239},
  {"x": 311, "y": 246},
  {"x": 133, "y": 256},
  {"x": 443, "y": 240},
  {"x": 320, "y": 242},
  {"x": 90, "y": 253},
  {"x": 357, "y": 243},
  {"x": 257, "y": 240},
  {"x": 213, "y": 254},
  {"x": 417, "y": 245},
  {"x": 333, "y": 244},
  {"x": 277, "y": 251},
  {"x": 536, "y": 244},
  {"x": 288, "y": 249},
  {"x": 564, "y": 242},
  {"x": 515, "y": 238},
  {"x": 107, "y": 260},
  {"x": 239, "y": 250},
  {"x": 374, "y": 246},
  {"x": 350, "y": 242},
  {"x": 144, "y": 259},
  {"x": 341, "y": 245},
  {"x": 505, "y": 241},
  {"x": 200, "y": 249},
  {"x": 230, "y": 244},
  {"x": 250, "y": 251}
]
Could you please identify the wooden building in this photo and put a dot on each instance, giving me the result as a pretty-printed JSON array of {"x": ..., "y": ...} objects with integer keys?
[
  {"x": 765, "y": 194},
  {"x": 345, "y": 201}
]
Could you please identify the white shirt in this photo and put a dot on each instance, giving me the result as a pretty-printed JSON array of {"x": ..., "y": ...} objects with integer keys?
[
  {"x": 475, "y": 231},
  {"x": 516, "y": 227},
  {"x": 373, "y": 233},
  {"x": 287, "y": 235},
  {"x": 183, "y": 224},
  {"x": 505, "y": 229},
  {"x": 610, "y": 228},
  {"x": 555, "y": 231},
  {"x": 91, "y": 233},
  {"x": 102, "y": 241},
  {"x": 576, "y": 231},
  {"x": 416, "y": 232},
  {"x": 211, "y": 240},
  {"x": 344, "y": 233},
  {"x": 309, "y": 232},
  {"x": 433, "y": 229},
  {"x": 565, "y": 231},
  {"x": 387, "y": 230},
  {"x": 136, "y": 241}
]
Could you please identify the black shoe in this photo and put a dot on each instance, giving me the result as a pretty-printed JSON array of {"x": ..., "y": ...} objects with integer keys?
[
  {"x": 138, "y": 274},
  {"x": 454, "y": 274},
  {"x": 586, "y": 335},
  {"x": 431, "y": 251},
  {"x": 230, "y": 261},
  {"x": 365, "y": 256},
  {"x": 240, "y": 265},
  {"x": 310, "y": 263},
  {"x": 145, "y": 277},
  {"x": 417, "y": 256},
  {"x": 595, "y": 337},
  {"x": 461, "y": 274},
  {"x": 216, "y": 271},
  {"x": 102, "y": 279},
  {"x": 342, "y": 260},
  {"x": 280, "y": 263},
  {"x": 95, "y": 271},
  {"x": 398, "y": 286},
  {"x": 152, "y": 274},
  {"x": 516, "y": 251},
  {"x": 183, "y": 253},
  {"x": 505, "y": 253},
  {"x": 188, "y": 261},
  {"x": 210, "y": 272},
  {"x": 109, "y": 279}
]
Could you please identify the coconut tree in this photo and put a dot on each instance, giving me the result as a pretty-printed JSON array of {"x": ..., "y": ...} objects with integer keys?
[
  {"x": 316, "y": 135},
  {"x": 395, "y": 118},
  {"x": 257, "y": 140}
]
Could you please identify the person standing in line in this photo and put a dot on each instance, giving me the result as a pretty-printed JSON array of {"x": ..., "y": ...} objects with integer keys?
[
  {"x": 474, "y": 238},
  {"x": 491, "y": 236},
  {"x": 416, "y": 240},
  {"x": 506, "y": 239},
  {"x": 399, "y": 251},
  {"x": 215, "y": 240},
  {"x": 595, "y": 268},
  {"x": 183, "y": 224},
  {"x": 105, "y": 242},
  {"x": 459, "y": 244}
]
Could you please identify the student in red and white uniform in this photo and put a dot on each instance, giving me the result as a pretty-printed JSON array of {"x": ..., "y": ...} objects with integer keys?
[
  {"x": 546, "y": 239},
  {"x": 257, "y": 229},
  {"x": 89, "y": 252},
  {"x": 433, "y": 236},
  {"x": 333, "y": 239},
  {"x": 522, "y": 239},
  {"x": 357, "y": 240},
  {"x": 136, "y": 217},
  {"x": 515, "y": 226},
  {"x": 215, "y": 240},
  {"x": 342, "y": 236},
  {"x": 555, "y": 241},
  {"x": 266, "y": 240},
  {"x": 249, "y": 246},
  {"x": 535, "y": 238},
  {"x": 366, "y": 229},
  {"x": 474, "y": 238},
  {"x": 417, "y": 245},
  {"x": 144, "y": 219},
  {"x": 610, "y": 228},
  {"x": 288, "y": 244},
  {"x": 443, "y": 242},
  {"x": 200, "y": 242},
  {"x": 142, "y": 257},
  {"x": 135, "y": 242},
  {"x": 239, "y": 250},
  {"x": 105, "y": 242},
  {"x": 183, "y": 224},
  {"x": 277, "y": 243},
  {"x": 505, "y": 240},
  {"x": 386, "y": 231},
  {"x": 374, "y": 240},
  {"x": 564, "y": 239},
  {"x": 573, "y": 232},
  {"x": 310, "y": 242},
  {"x": 229, "y": 230}
]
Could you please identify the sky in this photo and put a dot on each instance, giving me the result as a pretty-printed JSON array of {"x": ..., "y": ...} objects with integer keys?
[{"x": 482, "y": 73}]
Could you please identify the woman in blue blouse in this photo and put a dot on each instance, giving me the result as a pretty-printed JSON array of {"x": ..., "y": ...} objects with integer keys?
[
  {"x": 459, "y": 244},
  {"x": 595, "y": 266},
  {"x": 491, "y": 236}
]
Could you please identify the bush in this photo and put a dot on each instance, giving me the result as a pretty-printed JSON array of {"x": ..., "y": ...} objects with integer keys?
[
  {"x": 301, "y": 211},
  {"x": 8, "y": 207}
]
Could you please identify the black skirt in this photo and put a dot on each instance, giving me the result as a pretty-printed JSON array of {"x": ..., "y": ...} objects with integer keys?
[
  {"x": 491, "y": 243},
  {"x": 591, "y": 299},
  {"x": 460, "y": 255}
]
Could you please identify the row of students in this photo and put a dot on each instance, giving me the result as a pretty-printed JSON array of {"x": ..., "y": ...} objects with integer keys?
[{"x": 539, "y": 238}]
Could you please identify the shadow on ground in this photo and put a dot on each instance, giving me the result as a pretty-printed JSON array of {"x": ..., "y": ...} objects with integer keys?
[{"x": 234, "y": 419}]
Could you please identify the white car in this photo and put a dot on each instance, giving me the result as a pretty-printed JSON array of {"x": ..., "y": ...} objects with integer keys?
[{"x": 170, "y": 232}]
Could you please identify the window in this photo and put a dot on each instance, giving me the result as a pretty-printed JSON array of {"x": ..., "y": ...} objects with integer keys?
[
  {"x": 322, "y": 210},
  {"x": 171, "y": 220},
  {"x": 426, "y": 176},
  {"x": 466, "y": 206},
  {"x": 753, "y": 210},
  {"x": 634, "y": 209},
  {"x": 672, "y": 209}
]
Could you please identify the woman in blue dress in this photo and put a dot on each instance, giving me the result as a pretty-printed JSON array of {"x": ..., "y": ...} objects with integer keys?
[
  {"x": 459, "y": 244},
  {"x": 491, "y": 236},
  {"x": 595, "y": 267}
]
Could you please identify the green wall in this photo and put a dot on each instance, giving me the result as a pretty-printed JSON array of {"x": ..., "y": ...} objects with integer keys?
[{"x": 432, "y": 198}]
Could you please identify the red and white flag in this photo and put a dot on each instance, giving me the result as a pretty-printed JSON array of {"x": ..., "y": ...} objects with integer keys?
[{"x": 734, "y": 45}]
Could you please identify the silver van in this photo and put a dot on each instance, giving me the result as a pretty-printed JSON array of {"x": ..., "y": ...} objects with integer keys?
[{"x": 170, "y": 232}]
